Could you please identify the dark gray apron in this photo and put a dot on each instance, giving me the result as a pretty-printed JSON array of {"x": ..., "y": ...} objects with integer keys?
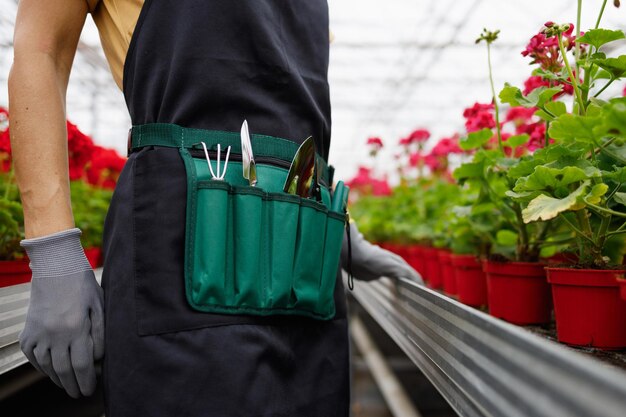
[{"x": 209, "y": 64}]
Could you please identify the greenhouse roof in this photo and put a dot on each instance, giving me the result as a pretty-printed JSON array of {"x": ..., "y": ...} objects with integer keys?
[{"x": 395, "y": 66}]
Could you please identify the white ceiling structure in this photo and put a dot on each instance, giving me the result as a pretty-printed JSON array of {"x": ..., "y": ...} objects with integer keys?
[{"x": 395, "y": 65}]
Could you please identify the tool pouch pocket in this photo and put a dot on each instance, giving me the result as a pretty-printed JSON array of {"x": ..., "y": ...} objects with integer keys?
[{"x": 258, "y": 250}]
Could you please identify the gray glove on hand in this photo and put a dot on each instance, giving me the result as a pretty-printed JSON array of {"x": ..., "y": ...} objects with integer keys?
[
  {"x": 371, "y": 262},
  {"x": 64, "y": 331}
]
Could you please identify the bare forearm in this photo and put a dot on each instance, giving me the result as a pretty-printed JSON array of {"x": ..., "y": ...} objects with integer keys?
[
  {"x": 46, "y": 35},
  {"x": 39, "y": 143}
]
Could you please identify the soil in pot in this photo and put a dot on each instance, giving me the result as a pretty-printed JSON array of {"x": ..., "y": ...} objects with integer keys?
[
  {"x": 447, "y": 272},
  {"x": 518, "y": 292},
  {"x": 471, "y": 284},
  {"x": 588, "y": 308},
  {"x": 14, "y": 272}
]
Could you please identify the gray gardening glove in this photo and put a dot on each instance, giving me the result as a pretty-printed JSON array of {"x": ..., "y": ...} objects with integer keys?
[
  {"x": 371, "y": 262},
  {"x": 64, "y": 331}
]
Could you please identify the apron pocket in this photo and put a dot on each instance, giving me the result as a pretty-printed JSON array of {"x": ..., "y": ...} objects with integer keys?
[
  {"x": 307, "y": 268},
  {"x": 250, "y": 285},
  {"x": 281, "y": 232},
  {"x": 335, "y": 226},
  {"x": 212, "y": 245}
]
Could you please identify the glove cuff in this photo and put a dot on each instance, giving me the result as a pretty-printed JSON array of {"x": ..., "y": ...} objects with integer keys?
[{"x": 56, "y": 254}]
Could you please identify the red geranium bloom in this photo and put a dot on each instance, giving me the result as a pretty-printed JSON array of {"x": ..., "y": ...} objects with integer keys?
[
  {"x": 519, "y": 115},
  {"x": 479, "y": 116},
  {"x": 419, "y": 135},
  {"x": 375, "y": 141},
  {"x": 80, "y": 148},
  {"x": 364, "y": 182},
  {"x": 105, "y": 167}
]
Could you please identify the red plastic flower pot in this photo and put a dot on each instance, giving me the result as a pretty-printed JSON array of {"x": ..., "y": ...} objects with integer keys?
[
  {"x": 94, "y": 256},
  {"x": 14, "y": 272},
  {"x": 416, "y": 258},
  {"x": 471, "y": 284},
  {"x": 588, "y": 308},
  {"x": 447, "y": 271},
  {"x": 518, "y": 292},
  {"x": 433, "y": 271},
  {"x": 622, "y": 284}
]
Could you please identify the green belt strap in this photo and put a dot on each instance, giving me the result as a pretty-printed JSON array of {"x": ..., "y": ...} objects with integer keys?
[{"x": 175, "y": 136}]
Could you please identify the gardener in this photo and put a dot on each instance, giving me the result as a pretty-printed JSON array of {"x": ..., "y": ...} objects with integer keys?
[{"x": 198, "y": 64}]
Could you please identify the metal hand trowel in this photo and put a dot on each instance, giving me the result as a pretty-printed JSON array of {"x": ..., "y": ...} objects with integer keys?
[
  {"x": 248, "y": 164},
  {"x": 301, "y": 174}
]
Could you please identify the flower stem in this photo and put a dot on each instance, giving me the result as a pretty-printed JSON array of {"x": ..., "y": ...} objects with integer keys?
[
  {"x": 600, "y": 15},
  {"x": 576, "y": 229},
  {"x": 578, "y": 13},
  {"x": 495, "y": 101},
  {"x": 606, "y": 210},
  {"x": 546, "y": 136},
  {"x": 605, "y": 87},
  {"x": 575, "y": 85}
]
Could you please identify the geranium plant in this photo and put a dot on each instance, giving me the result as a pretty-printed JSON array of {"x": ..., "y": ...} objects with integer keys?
[{"x": 581, "y": 178}]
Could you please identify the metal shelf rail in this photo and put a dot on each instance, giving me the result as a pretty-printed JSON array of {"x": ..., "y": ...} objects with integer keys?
[
  {"x": 13, "y": 307},
  {"x": 485, "y": 367}
]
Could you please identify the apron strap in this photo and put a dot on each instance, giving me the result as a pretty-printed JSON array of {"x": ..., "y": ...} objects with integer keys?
[{"x": 175, "y": 136}]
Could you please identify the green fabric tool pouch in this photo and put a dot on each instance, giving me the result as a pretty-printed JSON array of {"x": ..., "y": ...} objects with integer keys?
[{"x": 258, "y": 250}]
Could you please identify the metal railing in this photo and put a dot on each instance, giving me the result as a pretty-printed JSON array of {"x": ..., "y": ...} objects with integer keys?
[{"x": 485, "y": 367}]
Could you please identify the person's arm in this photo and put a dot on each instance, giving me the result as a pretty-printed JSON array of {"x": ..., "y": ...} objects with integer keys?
[
  {"x": 46, "y": 37},
  {"x": 369, "y": 262},
  {"x": 64, "y": 330}
]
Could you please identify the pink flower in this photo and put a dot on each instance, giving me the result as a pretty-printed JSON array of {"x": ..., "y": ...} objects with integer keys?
[
  {"x": 519, "y": 115},
  {"x": 376, "y": 142},
  {"x": 419, "y": 135},
  {"x": 415, "y": 159},
  {"x": 365, "y": 183},
  {"x": 624, "y": 92},
  {"x": 479, "y": 116}
]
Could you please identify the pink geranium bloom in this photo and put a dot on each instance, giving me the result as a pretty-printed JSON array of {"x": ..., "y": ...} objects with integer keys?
[{"x": 375, "y": 141}]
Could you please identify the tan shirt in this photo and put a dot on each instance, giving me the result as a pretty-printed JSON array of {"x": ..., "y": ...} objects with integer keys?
[{"x": 116, "y": 20}]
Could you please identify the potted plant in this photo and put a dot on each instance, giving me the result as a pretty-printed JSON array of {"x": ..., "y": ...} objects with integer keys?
[
  {"x": 517, "y": 287},
  {"x": 580, "y": 180},
  {"x": 473, "y": 226},
  {"x": 13, "y": 261}
]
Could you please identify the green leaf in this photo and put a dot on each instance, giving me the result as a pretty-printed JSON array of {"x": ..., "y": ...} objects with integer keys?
[
  {"x": 544, "y": 207},
  {"x": 570, "y": 128},
  {"x": 506, "y": 238},
  {"x": 620, "y": 198},
  {"x": 557, "y": 108},
  {"x": 616, "y": 67},
  {"x": 469, "y": 170},
  {"x": 536, "y": 98},
  {"x": 614, "y": 122},
  {"x": 599, "y": 37},
  {"x": 545, "y": 178},
  {"x": 517, "y": 140},
  {"x": 522, "y": 197},
  {"x": 596, "y": 193},
  {"x": 476, "y": 139}
]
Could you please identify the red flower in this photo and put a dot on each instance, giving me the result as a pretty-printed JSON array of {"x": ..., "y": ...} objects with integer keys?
[
  {"x": 415, "y": 159},
  {"x": 375, "y": 141},
  {"x": 479, "y": 116},
  {"x": 105, "y": 167},
  {"x": 364, "y": 182},
  {"x": 519, "y": 115},
  {"x": 80, "y": 148},
  {"x": 534, "y": 82},
  {"x": 419, "y": 135}
]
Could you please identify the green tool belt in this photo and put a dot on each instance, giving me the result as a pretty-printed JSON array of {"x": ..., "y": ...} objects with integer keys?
[{"x": 252, "y": 250}]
